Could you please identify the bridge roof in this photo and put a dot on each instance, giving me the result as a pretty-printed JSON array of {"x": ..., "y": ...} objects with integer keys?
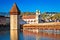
[{"x": 52, "y": 23}]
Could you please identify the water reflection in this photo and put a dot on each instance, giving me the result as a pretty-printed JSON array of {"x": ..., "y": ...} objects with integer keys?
[
  {"x": 5, "y": 35},
  {"x": 27, "y": 35},
  {"x": 40, "y": 36}
]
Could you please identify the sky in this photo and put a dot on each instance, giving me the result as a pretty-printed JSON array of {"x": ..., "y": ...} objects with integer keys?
[{"x": 31, "y": 5}]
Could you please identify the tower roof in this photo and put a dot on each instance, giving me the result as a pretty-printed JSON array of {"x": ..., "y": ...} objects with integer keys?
[{"x": 14, "y": 10}]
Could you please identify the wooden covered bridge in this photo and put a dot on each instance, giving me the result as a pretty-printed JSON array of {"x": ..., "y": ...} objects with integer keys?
[{"x": 42, "y": 26}]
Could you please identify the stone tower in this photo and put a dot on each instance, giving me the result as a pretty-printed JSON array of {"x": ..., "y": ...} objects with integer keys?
[
  {"x": 14, "y": 22},
  {"x": 37, "y": 16}
]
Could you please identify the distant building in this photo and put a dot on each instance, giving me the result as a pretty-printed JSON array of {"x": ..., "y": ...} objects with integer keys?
[
  {"x": 7, "y": 20},
  {"x": 31, "y": 19},
  {"x": 51, "y": 13},
  {"x": 2, "y": 20}
]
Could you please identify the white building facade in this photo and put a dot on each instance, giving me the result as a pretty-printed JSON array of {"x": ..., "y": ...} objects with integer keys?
[{"x": 31, "y": 19}]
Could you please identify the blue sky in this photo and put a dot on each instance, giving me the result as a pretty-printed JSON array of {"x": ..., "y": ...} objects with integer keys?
[{"x": 31, "y": 5}]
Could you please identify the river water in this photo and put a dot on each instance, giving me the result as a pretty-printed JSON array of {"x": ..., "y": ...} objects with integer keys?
[{"x": 26, "y": 35}]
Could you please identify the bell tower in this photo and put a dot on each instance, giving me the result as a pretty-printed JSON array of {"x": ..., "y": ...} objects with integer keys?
[
  {"x": 14, "y": 22},
  {"x": 37, "y": 12},
  {"x": 37, "y": 16}
]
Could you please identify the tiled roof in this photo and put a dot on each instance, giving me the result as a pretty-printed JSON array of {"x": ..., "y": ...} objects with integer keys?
[
  {"x": 14, "y": 10},
  {"x": 28, "y": 16}
]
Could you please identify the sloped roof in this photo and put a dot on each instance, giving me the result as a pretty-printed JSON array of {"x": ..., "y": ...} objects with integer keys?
[
  {"x": 14, "y": 10},
  {"x": 28, "y": 16}
]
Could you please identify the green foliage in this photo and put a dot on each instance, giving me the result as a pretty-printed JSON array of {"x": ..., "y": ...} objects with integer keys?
[
  {"x": 56, "y": 16},
  {"x": 27, "y": 13},
  {"x": 44, "y": 15}
]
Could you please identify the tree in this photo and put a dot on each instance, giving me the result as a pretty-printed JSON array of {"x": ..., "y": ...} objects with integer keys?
[{"x": 27, "y": 13}]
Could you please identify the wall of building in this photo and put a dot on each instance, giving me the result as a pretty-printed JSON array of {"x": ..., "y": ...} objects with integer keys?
[{"x": 2, "y": 20}]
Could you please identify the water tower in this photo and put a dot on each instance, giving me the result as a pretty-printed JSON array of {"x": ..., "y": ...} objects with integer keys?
[{"x": 14, "y": 22}]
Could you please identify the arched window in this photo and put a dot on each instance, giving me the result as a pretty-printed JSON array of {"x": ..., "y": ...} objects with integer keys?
[
  {"x": 28, "y": 20},
  {"x": 31, "y": 20},
  {"x": 34, "y": 20}
]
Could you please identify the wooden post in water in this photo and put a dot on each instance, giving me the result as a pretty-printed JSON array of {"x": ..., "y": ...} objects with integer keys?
[{"x": 14, "y": 22}]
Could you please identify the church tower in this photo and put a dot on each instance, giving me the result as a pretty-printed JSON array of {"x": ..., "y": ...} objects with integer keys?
[
  {"x": 37, "y": 16},
  {"x": 14, "y": 22}
]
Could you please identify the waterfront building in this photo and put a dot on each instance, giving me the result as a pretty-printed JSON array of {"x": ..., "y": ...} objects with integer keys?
[
  {"x": 51, "y": 13},
  {"x": 7, "y": 20},
  {"x": 31, "y": 19},
  {"x": 2, "y": 20}
]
